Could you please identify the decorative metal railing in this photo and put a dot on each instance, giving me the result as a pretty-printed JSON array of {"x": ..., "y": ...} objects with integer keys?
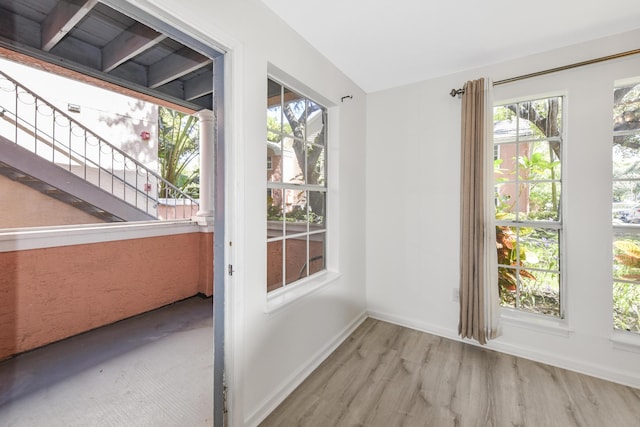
[{"x": 38, "y": 126}]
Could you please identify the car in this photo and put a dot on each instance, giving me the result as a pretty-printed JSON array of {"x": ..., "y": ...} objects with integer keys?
[{"x": 632, "y": 215}]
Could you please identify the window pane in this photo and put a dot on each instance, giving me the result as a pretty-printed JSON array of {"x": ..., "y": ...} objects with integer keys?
[
  {"x": 275, "y": 220},
  {"x": 293, "y": 162},
  {"x": 528, "y": 201},
  {"x": 524, "y": 256},
  {"x": 316, "y": 164},
  {"x": 296, "y": 259},
  {"x": 274, "y": 265},
  {"x": 540, "y": 119},
  {"x": 506, "y": 241},
  {"x": 541, "y": 200},
  {"x": 541, "y": 293},
  {"x": 504, "y": 123},
  {"x": 626, "y": 158},
  {"x": 274, "y": 162},
  {"x": 626, "y": 112},
  {"x": 526, "y": 130},
  {"x": 626, "y": 257},
  {"x": 505, "y": 163},
  {"x": 626, "y": 306},
  {"x": 274, "y": 124},
  {"x": 539, "y": 160},
  {"x": 506, "y": 201},
  {"x": 315, "y": 124},
  {"x": 317, "y": 244},
  {"x": 540, "y": 248},
  {"x": 624, "y": 212},
  {"x": 274, "y": 91},
  {"x": 296, "y": 212},
  {"x": 317, "y": 207},
  {"x": 508, "y": 282},
  {"x": 294, "y": 113},
  {"x": 274, "y": 111}
]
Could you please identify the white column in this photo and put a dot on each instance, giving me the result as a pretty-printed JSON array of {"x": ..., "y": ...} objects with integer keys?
[{"x": 207, "y": 163}]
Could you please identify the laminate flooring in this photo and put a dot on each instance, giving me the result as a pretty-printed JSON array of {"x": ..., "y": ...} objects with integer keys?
[{"x": 386, "y": 375}]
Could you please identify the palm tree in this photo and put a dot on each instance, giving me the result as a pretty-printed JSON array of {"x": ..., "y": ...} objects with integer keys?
[{"x": 178, "y": 147}]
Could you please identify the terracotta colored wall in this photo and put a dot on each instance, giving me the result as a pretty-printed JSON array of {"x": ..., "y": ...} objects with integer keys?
[
  {"x": 296, "y": 259},
  {"x": 53, "y": 293}
]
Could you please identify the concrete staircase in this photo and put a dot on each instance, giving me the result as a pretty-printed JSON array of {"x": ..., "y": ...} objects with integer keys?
[{"x": 27, "y": 168}]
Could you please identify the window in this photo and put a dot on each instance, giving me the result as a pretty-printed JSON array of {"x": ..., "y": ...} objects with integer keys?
[
  {"x": 626, "y": 207},
  {"x": 296, "y": 187},
  {"x": 527, "y": 174}
]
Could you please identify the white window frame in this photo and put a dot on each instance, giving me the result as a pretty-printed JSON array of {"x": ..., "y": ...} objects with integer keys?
[
  {"x": 288, "y": 293},
  {"x": 624, "y": 338},
  {"x": 549, "y": 323}
]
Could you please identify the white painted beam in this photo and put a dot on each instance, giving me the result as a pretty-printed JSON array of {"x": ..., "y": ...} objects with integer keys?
[
  {"x": 62, "y": 19},
  {"x": 198, "y": 86},
  {"x": 130, "y": 43},
  {"x": 175, "y": 66}
]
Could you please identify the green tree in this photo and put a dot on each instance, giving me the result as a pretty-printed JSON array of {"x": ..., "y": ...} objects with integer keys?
[
  {"x": 296, "y": 114},
  {"x": 178, "y": 147},
  {"x": 626, "y": 143}
]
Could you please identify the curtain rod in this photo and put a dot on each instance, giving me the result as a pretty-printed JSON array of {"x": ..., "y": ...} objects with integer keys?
[{"x": 455, "y": 92}]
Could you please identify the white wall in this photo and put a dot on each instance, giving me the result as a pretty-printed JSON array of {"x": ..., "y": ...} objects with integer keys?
[
  {"x": 413, "y": 200},
  {"x": 117, "y": 118},
  {"x": 272, "y": 352}
]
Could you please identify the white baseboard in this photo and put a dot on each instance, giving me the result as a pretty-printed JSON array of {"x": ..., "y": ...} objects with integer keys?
[
  {"x": 295, "y": 379},
  {"x": 599, "y": 371}
]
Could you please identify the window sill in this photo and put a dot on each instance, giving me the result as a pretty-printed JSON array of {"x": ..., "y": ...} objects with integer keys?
[
  {"x": 628, "y": 341},
  {"x": 281, "y": 298},
  {"x": 535, "y": 322}
]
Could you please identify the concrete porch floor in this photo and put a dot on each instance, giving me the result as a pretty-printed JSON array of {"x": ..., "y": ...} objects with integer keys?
[{"x": 155, "y": 369}]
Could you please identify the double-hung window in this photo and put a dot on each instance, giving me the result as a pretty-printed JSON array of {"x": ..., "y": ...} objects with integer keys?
[
  {"x": 626, "y": 207},
  {"x": 527, "y": 174},
  {"x": 296, "y": 186}
]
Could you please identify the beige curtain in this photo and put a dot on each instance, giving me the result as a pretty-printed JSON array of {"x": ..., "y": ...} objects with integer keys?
[{"x": 478, "y": 257}]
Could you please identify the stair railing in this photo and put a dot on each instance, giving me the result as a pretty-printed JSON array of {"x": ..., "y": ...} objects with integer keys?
[{"x": 40, "y": 127}]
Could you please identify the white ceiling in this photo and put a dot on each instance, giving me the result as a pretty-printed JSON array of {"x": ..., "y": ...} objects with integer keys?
[{"x": 381, "y": 44}]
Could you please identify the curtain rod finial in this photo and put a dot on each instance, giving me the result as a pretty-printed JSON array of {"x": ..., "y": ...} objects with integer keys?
[{"x": 455, "y": 92}]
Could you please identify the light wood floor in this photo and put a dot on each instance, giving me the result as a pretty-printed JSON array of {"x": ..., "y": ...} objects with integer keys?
[{"x": 386, "y": 375}]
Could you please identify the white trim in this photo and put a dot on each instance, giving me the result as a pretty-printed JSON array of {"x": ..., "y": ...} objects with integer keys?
[
  {"x": 234, "y": 232},
  {"x": 535, "y": 322},
  {"x": 627, "y": 341},
  {"x": 279, "y": 76},
  {"x": 286, "y": 296},
  {"x": 295, "y": 379},
  {"x": 571, "y": 364},
  {"x": 49, "y": 237}
]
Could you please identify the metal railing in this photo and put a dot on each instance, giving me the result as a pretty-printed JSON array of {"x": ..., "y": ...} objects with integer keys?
[{"x": 40, "y": 127}]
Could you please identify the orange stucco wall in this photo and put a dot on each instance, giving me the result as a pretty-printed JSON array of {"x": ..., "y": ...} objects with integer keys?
[{"x": 53, "y": 293}]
